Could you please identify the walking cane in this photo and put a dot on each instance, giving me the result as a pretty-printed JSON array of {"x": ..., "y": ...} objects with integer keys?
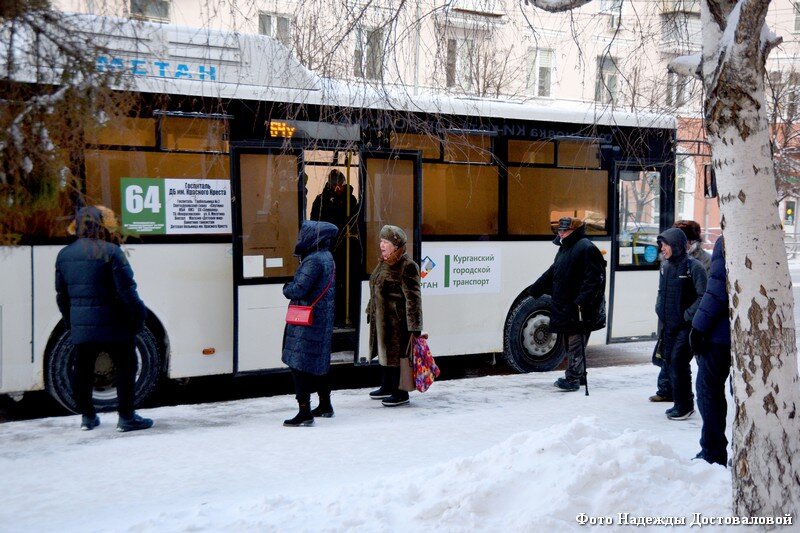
[{"x": 583, "y": 353}]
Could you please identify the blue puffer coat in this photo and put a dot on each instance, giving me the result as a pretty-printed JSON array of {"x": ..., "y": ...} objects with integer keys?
[
  {"x": 95, "y": 290},
  {"x": 712, "y": 315},
  {"x": 308, "y": 348}
]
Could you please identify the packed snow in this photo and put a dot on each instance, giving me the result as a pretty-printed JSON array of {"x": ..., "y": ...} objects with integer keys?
[{"x": 498, "y": 453}]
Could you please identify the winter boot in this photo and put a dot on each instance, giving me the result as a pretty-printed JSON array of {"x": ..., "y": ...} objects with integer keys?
[
  {"x": 387, "y": 387},
  {"x": 303, "y": 418},
  {"x": 88, "y": 423},
  {"x": 659, "y": 398},
  {"x": 565, "y": 385},
  {"x": 134, "y": 423},
  {"x": 324, "y": 409},
  {"x": 399, "y": 397},
  {"x": 680, "y": 414}
]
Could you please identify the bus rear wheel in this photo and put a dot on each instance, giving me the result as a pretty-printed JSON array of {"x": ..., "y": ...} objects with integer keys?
[
  {"x": 528, "y": 344},
  {"x": 60, "y": 373}
]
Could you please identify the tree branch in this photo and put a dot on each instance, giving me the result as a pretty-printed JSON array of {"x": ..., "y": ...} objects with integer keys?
[{"x": 687, "y": 66}]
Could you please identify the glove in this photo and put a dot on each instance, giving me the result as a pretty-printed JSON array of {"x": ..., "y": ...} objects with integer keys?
[{"x": 697, "y": 341}]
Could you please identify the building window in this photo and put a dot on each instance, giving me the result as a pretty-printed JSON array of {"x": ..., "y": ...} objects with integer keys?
[
  {"x": 369, "y": 53},
  {"x": 607, "y": 74},
  {"x": 540, "y": 72},
  {"x": 276, "y": 26},
  {"x": 460, "y": 54},
  {"x": 156, "y": 10},
  {"x": 677, "y": 89},
  {"x": 796, "y": 16}
]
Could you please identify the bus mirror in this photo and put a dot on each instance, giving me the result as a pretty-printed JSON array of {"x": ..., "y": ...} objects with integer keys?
[{"x": 709, "y": 182}]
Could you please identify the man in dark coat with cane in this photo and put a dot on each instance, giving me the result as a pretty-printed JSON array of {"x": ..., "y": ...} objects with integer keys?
[{"x": 576, "y": 282}]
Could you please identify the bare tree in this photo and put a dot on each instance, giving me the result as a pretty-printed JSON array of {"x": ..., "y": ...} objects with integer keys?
[
  {"x": 52, "y": 92},
  {"x": 783, "y": 96},
  {"x": 766, "y": 432}
]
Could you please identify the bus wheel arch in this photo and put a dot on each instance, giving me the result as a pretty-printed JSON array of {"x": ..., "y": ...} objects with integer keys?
[
  {"x": 528, "y": 345},
  {"x": 151, "y": 350}
]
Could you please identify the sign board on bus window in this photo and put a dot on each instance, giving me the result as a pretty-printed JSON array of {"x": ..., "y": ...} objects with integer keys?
[
  {"x": 460, "y": 270},
  {"x": 175, "y": 206}
]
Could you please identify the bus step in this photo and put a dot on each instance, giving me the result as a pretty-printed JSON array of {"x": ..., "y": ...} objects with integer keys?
[{"x": 339, "y": 358}]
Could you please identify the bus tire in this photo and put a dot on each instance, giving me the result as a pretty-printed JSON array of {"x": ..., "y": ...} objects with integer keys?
[
  {"x": 528, "y": 345},
  {"x": 60, "y": 372}
]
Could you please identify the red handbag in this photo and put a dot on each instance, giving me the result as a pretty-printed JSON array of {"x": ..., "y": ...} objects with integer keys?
[{"x": 303, "y": 315}]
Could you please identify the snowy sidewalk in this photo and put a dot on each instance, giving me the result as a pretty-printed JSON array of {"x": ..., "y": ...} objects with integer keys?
[{"x": 500, "y": 453}]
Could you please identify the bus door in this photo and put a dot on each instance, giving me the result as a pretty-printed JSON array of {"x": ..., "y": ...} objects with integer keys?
[
  {"x": 392, "y": 195},
  {"x": 635, "y": 252},
  {"x": 268, "y": 204}
]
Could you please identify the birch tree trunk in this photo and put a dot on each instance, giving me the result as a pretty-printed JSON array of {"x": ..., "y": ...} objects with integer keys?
[{"x": 766, "y": 428}]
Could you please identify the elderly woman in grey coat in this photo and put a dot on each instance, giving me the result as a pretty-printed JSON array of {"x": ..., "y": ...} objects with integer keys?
[
  {"x": 394, "y": 312},
  {"x": 307, "y": 349}
]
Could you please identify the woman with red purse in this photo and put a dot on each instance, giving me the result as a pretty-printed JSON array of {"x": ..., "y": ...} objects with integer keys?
[{"x": 307, "y": 340}]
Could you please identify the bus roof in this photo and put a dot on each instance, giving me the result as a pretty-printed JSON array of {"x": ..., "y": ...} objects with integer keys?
[{"x": 163, "y": 58}]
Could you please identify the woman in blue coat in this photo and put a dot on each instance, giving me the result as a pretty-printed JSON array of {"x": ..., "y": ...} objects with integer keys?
[{"x": 307, "y": 349}]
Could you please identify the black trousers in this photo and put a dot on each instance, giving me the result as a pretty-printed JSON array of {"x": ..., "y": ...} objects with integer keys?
[
  {"x": 713, "y": 370},
  {"x": 123, "y": 355},
  {"x": 306, "y": 383},
  {"x": 680, "y": 369},
  {"x": 575, "y": 346}
]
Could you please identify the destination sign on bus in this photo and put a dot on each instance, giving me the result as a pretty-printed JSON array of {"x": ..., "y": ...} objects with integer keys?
[
  {"x": 304, "y": 129},
  {"x": 175, "y": 206}
]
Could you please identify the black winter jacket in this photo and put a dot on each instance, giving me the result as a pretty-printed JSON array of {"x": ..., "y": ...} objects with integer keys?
[
  {"x": 95, "y": 289},
  {"x": 576, "y": 278},
  {"x": 681, "y": 284}
]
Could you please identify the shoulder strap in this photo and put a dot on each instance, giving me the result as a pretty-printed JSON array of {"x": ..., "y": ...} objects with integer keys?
[{"x": 328, "y": 286}]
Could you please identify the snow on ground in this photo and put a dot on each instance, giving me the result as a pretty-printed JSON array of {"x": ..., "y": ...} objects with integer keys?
[{"x": 499, "y": 453}]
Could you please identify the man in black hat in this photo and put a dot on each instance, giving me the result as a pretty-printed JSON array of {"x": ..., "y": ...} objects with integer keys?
[{"x": 576, "y": 283}]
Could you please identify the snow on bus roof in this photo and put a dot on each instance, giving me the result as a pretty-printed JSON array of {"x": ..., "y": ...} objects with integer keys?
[{"x": 166, "y": 58}]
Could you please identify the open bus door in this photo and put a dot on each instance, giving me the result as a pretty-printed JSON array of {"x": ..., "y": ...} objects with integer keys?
[
  {"x": 392, "y": 195},
  {"x": 268, "y": 203},
  {"x": 635, "y": 263}
]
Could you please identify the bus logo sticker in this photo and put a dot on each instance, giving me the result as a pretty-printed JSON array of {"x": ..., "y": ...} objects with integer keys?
[
  {"x": 463, "y": 270},
  {"x": 427, "y": 266}
]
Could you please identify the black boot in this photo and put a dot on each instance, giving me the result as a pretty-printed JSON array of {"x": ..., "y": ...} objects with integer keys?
[
  {"x": 324, "y": 409},
  {"x": 302, "y": 418},
  {"x": 387, "y": 388},
  {"x": 400, "y": 397}
]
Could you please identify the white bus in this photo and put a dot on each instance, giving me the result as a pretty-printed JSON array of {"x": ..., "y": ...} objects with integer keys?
[{"x": 231, "y": 141}]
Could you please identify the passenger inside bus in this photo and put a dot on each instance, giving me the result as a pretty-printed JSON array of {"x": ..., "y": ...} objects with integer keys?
[{"x": 338, "y": 205}]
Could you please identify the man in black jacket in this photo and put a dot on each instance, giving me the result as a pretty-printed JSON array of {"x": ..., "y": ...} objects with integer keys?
[
  {"x": 681, "y": 285},
  {"x": 576, "y": 282},
  {"x": 97, "y": 297}
]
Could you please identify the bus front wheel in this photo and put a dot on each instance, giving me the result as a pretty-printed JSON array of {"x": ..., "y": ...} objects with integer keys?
[
  {"x": 529, "y": 346},
  {"x": 60, "y": 372}
]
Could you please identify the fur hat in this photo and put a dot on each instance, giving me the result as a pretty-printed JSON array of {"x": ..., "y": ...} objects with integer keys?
[
  {"x": 690, "y": 228},
  {"x": 107, "y": 216},
  {"x": 394, "y": 235},
  {"x": 568, "y": 223}
]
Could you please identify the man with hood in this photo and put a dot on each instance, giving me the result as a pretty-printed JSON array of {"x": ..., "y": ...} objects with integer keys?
[
  {"x": 576, "y": 282},
  {"x": 307, "y": 349},
  {"x": 681, "y": 285},
  {"x": 97, "y": 297}
]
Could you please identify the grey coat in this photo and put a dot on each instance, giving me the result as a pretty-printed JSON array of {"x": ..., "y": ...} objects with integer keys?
[{"x": 308, "y": 348}]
